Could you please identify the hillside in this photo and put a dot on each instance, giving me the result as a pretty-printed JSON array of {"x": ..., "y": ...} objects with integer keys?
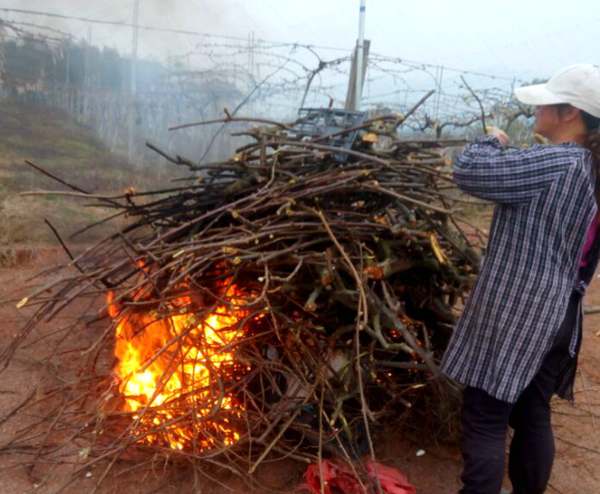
[{"x": 57, "y": 143}]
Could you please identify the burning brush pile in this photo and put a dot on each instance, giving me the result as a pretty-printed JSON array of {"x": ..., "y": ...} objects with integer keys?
[{"x": 278, "y": 304}]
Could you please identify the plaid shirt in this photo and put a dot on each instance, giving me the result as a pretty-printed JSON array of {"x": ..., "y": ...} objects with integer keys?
[{"x": 545, "y": 204}]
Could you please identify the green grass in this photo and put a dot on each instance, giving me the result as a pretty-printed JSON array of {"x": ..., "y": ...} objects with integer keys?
[{"x": 57, "y": 143}]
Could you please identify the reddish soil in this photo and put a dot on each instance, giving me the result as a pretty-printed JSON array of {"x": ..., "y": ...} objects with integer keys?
[{"x": 577, "y": 426}]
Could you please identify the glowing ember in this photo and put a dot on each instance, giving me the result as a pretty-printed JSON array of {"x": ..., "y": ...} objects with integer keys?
[{"x": 176, "y": 372}]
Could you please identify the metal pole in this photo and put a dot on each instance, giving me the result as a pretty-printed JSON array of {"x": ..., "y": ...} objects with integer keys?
[
  {"x": 251, "y": 60},
  {"x": 87, "y": 76},
  {"x": 438, "y": 97},
  {"x": 133, "y": 80},
  {"x": 360, "y": 53},
  {"x": 68, "y": 65}
]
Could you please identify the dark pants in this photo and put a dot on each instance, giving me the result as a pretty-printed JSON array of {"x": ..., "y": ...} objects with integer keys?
[{"x": 485, "y": 423}]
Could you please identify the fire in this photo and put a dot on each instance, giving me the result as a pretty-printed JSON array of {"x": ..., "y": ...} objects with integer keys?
[{"x": 176, "y": 372}]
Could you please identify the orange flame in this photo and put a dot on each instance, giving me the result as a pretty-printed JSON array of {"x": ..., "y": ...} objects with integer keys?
[{"x": 172, "y": 371}]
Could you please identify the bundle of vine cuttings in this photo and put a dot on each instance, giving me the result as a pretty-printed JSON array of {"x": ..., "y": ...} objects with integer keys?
[{"x": 277, "y": 304}]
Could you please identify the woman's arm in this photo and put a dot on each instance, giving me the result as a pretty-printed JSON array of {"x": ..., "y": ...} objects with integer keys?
[{"x": 488, "y": 170}]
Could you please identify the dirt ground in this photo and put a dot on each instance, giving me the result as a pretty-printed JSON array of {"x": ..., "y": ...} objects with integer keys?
[{"x": 577, "y": 426}]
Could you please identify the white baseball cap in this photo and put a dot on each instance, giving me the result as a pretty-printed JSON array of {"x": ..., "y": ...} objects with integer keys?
[{"x": 577, "y": 85}]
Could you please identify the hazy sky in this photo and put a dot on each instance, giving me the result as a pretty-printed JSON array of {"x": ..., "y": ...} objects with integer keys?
[{"x": 523, "y": 38}]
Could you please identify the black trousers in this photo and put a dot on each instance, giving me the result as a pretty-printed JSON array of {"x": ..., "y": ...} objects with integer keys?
[{"x": 485, "y": 422}]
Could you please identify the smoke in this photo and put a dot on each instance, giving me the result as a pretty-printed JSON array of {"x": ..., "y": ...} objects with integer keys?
[{"x": 210, "y": 16}]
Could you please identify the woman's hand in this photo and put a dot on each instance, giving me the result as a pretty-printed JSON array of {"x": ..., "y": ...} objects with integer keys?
[{"x": 499, "y": 134}]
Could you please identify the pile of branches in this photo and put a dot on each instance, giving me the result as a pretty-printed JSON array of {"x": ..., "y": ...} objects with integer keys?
[{"x": 296, "y": 295}]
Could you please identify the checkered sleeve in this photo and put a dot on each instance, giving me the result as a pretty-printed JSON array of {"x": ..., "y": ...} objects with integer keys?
[{"x": 488, "y": 170}]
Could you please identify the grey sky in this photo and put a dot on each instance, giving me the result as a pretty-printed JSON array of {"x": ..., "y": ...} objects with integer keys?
[
  {"x": 526, "y": 38},
  {"x": 512, "y": 39}
]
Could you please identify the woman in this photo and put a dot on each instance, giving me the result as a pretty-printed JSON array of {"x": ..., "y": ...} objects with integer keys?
[{"x": 517, "y": 341}]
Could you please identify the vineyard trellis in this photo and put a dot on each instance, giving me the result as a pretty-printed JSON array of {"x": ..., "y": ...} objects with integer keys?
[{"x": 265, "y": 79}]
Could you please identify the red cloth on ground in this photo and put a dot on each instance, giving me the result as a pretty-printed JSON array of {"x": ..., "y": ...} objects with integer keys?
[
  {"x": 340, "y": 479},
  {"x": 392, "y": 481}
]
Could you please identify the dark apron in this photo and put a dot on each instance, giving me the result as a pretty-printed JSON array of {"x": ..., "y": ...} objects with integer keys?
[{"x": 573, "y": 321}]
